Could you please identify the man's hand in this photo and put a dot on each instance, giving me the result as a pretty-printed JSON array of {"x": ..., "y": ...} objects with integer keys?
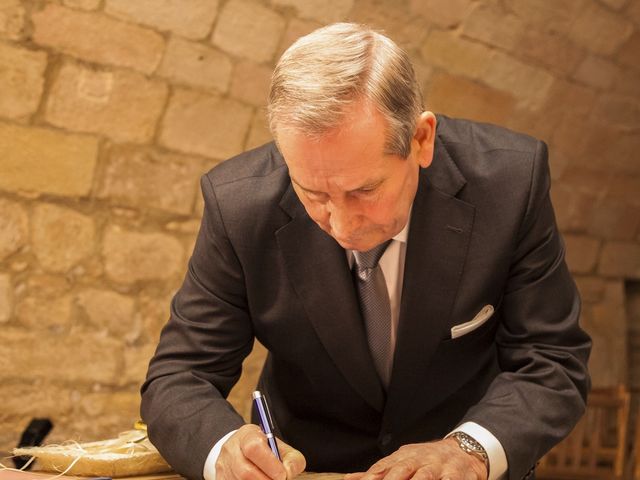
[
  {"x": 441, "y": 460},
  {"x": 247, "y": 456}
]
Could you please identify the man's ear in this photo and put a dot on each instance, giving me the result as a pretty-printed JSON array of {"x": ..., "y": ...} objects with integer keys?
[{"x": 424, "y": 138}]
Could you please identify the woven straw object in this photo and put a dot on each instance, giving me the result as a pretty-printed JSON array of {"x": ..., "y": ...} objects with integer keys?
[{"x": 128, "y": 455}]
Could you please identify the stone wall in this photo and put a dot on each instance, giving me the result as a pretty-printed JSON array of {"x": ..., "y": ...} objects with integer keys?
[{"x": 111, "y": 109}]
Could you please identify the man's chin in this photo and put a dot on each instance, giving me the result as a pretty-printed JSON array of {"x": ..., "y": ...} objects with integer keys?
[{"x": 360, "y": 245}]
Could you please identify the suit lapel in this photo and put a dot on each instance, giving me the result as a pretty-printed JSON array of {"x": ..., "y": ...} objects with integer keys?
[
  {"x": 437, "y": 245},
  {"x": 319, "y": 272}
]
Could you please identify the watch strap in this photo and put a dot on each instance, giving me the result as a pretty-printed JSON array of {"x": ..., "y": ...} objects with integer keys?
[{"x": 470, "y": 445}]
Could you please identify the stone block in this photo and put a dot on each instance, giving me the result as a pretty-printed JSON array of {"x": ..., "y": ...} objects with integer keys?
[
  {"x": 194, "y": 64},
  {"x": 6, "y": 298},
  {"x": 14, "y": 227},
  {"x": 489, "y": 24},
  {"x": 21, "y": 80},
  {"x": 620, "y": 259},
  {"x": 43, "y": 304},
  {"x": 240, "y": 396},
  {"x": 97, "y": 38},
  {"x": 599, "y": 30},
  {"x": 187, "y": 18},
  {"x": 251, "y": 83},
  {"x": 46, "y": 316},
  {"x": 585, "y": 180},
  {"x": 205, "y": 124},
  {"x": 147, "y": 179},
  {"x": 615, "y": 221},
  {"x": 597, "y": 72},
  {"x": 619, "y": 110},
  {"x": 622, "y": 151},
  {"x": 408, "y": 31},
  {"x": 108, "y": 310},
  {"x": 249, "y": 30},
  {"x": 424, "y": 74},
  {"x": 609, "y": 316},
  {"x": 615, "y": 4},
  {"x": 188, "y": 227},
  {"x": 606, "y": 362},
  {"x": 581, "y": 253},
  {"x": 259, "y": 133},
  {"x": 296, "y": 28},
  {"x": 573, "y": 208},
  {"x": 443, "y": 13},
  {"x": 554, "y": 16},
  {"x": 22, "y": 401},
  {"x": 529, "y": 85},
  {"x": 12, "y": 19},
  {"x": 629, "y": 53},
  {"x": 550, "y": 49},
  {"x": 61, "y": 237},
  {"x": 60, "y": 358},
  {"x": 153, "y": 311},
  {"x": 456, "y": 55},
  {"x": 633, "y": 12},
  {"x": 136, "y": 361},
  {"x": 570, "y": 97},
  {"x": 460, "y": 97},
  {"x": 82, "y": 4},
  {"x": 324, "y": 11},
  {"x": 124, "y": 106},
  {"x": 579, "y": 137},
  {"x": 132, "y": 257},
  {"x": 624, "y": 188},
  {"x": 627, "y": 82},
  {"x": 104, "y": 403},
  {"x": 45, "y": 161},
  {"x": 591, "y": 288}
]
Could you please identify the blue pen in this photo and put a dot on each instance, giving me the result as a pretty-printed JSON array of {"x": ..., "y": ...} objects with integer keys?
[{"x": 266, "y": 422}]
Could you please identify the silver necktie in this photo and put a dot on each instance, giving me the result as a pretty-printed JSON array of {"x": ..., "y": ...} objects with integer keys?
[{"x": 375, "y": 307}]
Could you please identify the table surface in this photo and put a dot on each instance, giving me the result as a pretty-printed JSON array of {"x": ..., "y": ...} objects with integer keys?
[{"x": 10, "y": 474}]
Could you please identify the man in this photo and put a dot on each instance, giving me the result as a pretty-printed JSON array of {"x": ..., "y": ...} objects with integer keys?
[{"x": 457, "y": 356}]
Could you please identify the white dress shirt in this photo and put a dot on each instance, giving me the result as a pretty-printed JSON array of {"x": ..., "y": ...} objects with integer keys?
[{"x": 392, "y": 265}]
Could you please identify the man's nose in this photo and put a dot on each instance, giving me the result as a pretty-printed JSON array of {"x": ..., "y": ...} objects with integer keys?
[{"x": 340, "y": 218}]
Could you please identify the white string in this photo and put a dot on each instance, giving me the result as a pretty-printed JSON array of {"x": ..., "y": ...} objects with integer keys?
[
  {"x": 22, "y": 469},
  {"x": 73, "y": 448}
]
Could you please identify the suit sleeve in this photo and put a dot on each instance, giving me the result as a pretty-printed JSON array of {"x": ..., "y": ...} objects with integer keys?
[
  {"x": 542, "y": 351},
  {"x": 200, "y": 352}
]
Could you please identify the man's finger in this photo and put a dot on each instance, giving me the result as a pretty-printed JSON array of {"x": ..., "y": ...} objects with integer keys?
[
  {"x": 256, "y": 450},
  {"x": 293, "y": 460},
  {"x": 365, "y": 476}
]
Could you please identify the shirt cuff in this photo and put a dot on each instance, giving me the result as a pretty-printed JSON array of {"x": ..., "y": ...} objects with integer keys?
[
  {"x": 209, "y": 472},
  {"x": 497, "y": 458}
]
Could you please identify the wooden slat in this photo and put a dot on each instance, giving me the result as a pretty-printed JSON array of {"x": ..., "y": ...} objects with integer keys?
[{"x": 595, "y": 449}]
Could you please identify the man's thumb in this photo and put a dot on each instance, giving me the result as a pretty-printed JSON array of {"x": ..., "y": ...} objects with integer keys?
[{"x": 294, "y": 462}]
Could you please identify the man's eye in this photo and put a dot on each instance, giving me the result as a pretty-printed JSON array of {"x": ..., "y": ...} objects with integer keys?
[{"x": 314, "y": 195}]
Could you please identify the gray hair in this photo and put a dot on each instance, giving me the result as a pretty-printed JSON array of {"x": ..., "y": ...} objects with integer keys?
[{"x": 324, "y": 72}]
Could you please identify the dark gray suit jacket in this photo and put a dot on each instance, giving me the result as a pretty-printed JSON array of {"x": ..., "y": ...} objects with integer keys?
[{"x": 482, "y": 232}]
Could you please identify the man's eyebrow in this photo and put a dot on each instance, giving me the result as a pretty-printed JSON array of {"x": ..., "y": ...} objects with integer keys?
[
  {"x": 365, "y": 186},
  {"x": 302, "y": 187},
  {"x": 368, "y": 185}
]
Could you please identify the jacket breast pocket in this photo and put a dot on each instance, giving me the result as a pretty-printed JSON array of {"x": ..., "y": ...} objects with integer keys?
[{"x": 482, "y": 325}]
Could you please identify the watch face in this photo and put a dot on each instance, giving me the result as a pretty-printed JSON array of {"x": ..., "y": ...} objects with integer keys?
[{"x": 469, "y": 445}]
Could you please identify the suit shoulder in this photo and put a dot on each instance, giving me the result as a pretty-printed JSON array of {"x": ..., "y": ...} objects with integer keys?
[
  {"x": 482, "y": 137},
  {"x": 259, "y": 162},
  {"x": 247, "y": 186}
]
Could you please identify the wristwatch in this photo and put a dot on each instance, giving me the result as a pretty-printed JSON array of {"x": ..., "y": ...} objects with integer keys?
[{"x": 469, "y": 445}]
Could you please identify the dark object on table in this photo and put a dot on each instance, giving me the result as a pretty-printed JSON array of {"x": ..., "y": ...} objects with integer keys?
[{"x": 32, "y": 436}]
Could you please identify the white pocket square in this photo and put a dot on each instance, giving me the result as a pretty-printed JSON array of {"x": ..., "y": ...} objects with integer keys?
[{"x": 467, "y": 327}]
